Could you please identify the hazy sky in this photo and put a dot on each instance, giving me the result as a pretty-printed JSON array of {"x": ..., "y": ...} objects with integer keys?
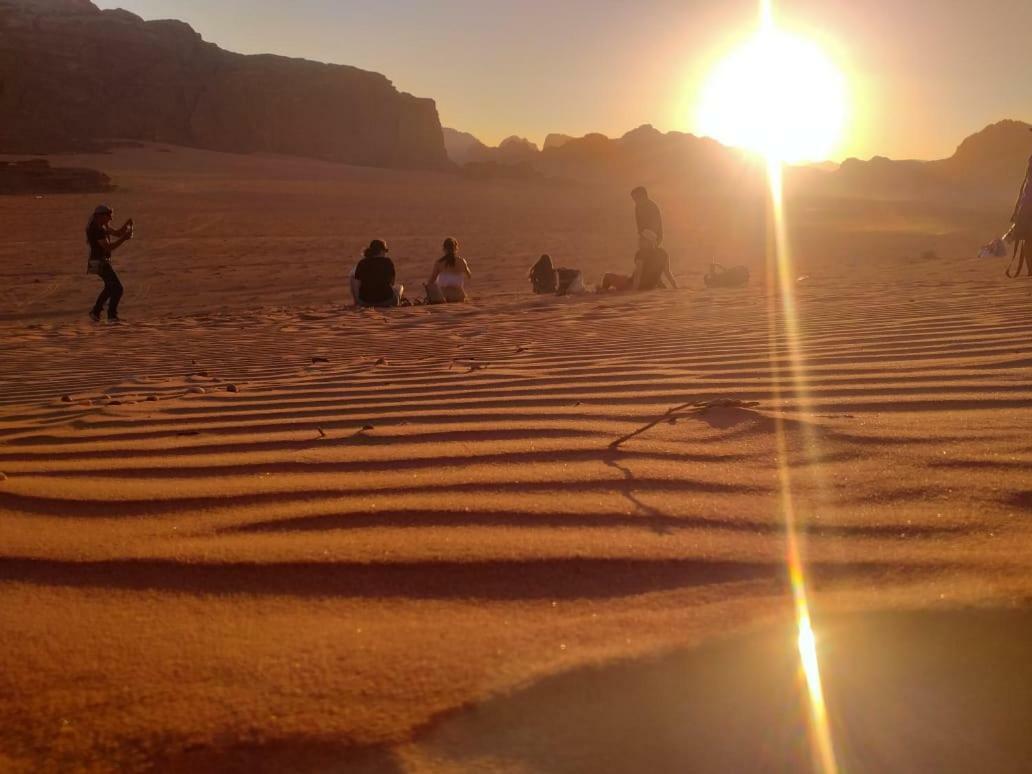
[{"x": 924, "y": 73}]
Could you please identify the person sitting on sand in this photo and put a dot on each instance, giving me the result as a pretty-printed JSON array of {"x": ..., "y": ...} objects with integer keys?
[
  {"x": 651, "y": 269},
  {"x": 373, "y": 283},
  {"x": 98, "y": 236},
  {"x": 543, "y": 277},
  {"x": 546, "y": 278},
  {"x": 647, "y": 214},
  {"x": 447, "y": 284}
]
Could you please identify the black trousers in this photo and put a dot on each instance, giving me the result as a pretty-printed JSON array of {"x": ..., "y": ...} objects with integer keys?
[{"x": 112, "y": 291}]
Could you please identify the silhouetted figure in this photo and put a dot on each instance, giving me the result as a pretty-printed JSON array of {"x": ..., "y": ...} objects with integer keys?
[
  {"x": 546, "y": 278},
  {"x": 374, "y": 280},
  {"x": 647, "y": 215},
  {"x": 543, "y": 277},
  {"x": 651, "y": 268},
  {"x": 1022, "y": 220},
  {"x": 98, "y": 236},
  {"x": 447, "y": 284}
]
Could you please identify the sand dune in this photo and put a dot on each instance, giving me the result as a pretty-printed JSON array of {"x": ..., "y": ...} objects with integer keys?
[{"x": 394, "y": 516}]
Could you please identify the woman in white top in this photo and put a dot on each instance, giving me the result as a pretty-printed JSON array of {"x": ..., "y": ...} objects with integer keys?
[{"x": 447, "y": 283}]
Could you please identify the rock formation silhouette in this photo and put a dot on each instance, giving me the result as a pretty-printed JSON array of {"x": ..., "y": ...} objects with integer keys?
[{"x": 72, "y": 76}]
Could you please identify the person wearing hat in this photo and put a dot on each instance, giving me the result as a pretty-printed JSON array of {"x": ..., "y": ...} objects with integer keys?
[
  {"x": 373, "y": 283},
  {"x": 99, "y": 236}
]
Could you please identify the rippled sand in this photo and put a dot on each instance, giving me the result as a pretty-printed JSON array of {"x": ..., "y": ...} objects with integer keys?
[{"x": 305, "y": 538}]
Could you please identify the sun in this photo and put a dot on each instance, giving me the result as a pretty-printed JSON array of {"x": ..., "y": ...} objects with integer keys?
[{"x": 777, "y": 94}]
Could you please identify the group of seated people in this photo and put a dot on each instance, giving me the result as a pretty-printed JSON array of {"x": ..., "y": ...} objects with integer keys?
[{"x": 374, "y": 280}]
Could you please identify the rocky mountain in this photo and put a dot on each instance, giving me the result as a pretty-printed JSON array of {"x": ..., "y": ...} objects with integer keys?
[
  {"x": 556, "y": 140},
  {"x": 642, "y": 156},
  {"x": 999, "y": 152},
  {"x": 72, "y": 75},
  {"x": 463, "y": 147},
  {"x": 988, "y": 164}
]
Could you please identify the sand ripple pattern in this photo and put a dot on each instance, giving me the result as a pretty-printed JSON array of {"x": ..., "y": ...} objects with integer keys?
[{"x": 306, "y": 533}]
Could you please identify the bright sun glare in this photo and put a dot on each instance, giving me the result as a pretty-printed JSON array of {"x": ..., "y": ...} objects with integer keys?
[{"x": 777, "y": 94}]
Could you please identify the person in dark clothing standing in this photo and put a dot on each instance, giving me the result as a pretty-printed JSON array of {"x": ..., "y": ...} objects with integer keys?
[
  {"x": 647, "y": 214},
  {"x": 375, "y": 277},
  {"x": 1022, "y": 230},
  {"x": 99, "y": 236}
]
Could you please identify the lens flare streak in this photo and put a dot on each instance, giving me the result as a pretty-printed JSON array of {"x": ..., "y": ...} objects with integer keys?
[{"x": 781, "y": 286}]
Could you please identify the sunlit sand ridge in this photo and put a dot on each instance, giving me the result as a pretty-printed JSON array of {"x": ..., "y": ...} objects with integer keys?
[
  {"x": 515, "y": 507},
  {"x": 398, "y": 515}
]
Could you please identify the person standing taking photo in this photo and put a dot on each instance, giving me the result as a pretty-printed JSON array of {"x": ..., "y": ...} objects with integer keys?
[{"x": 103, "y": 241}]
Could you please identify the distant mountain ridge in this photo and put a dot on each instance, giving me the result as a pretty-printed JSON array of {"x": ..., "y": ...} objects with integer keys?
[
  {"x": 72, "y": 75},
  {"x": 991, "y": 163},
  {"x": 642, "y": 156}
]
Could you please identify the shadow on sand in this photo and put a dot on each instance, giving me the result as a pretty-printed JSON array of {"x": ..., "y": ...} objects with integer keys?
[{"x": 906, "y": 692}]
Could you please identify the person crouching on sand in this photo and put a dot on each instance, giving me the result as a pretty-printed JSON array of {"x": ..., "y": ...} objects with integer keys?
[
  {"x": 651, "y": 268},
  {"x": 374, "y": 280},
  {"x": 447, "y": 284},
  {"x": 99, "y": 235}
]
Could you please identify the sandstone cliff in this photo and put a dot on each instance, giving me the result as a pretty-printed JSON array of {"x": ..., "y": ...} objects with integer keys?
[
  {"x": 71, "y": 75},
  {"x": 463, "y": 147}
]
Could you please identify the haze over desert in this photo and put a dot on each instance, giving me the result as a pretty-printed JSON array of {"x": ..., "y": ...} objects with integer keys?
[{"x": 255, "y": 527}]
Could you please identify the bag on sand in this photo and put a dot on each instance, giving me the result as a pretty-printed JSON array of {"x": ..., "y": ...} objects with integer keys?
[
  {"x": 995, "y": 249},
  {"x": 719, "y": 277},
  {"x": 570, "y": 282}
]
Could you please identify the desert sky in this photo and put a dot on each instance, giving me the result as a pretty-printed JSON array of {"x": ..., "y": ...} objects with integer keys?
[{"x": 542, "y": 67}]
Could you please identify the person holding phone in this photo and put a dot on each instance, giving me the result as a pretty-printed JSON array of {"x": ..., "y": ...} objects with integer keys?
[{"x": 103, "y": 241}]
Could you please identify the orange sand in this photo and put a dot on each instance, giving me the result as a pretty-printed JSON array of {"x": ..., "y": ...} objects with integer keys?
[{"x": 310, "y": 572}]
